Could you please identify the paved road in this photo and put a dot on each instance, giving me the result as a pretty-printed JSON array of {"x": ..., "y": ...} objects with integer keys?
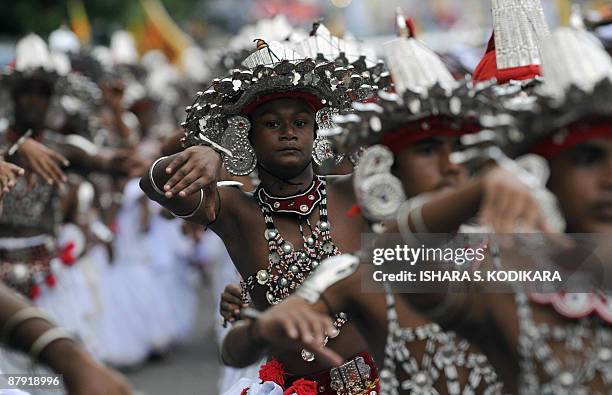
[{"x": 189, "y": 369}]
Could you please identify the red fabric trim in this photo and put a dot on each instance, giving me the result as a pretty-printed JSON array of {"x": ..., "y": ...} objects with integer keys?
[
  {"x": 491, "y": 44},
  {"x": 576, "y": 134},
  {"x": 312, "y": 101},
  {"x": 401, "y": 138},
  {"x": 487, "y": 68}
]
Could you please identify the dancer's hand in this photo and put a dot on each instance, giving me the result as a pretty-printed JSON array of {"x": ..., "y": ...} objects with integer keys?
[
  {"x": 8, "y": 176},
  {"x": 294, "y": 324},
  {"x": 195, "y": 168},
  {"x": 231, "y": 303},
  {"x": 507, "y": 202},
  {"x": 43, "y": 161}
]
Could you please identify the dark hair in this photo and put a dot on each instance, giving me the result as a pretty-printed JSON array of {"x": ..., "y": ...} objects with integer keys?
[{"x": 31, "y": 84}]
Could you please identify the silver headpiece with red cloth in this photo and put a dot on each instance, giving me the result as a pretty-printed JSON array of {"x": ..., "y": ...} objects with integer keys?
[
  {"x": 572, "y": 105},
  {"x": 513, "y": 53},
  {"x": 429, "y": 102},
  {"x": 218, "y": 116},
  {"x": 427, "y": 98},
  {"x": 575, "y": 97}
]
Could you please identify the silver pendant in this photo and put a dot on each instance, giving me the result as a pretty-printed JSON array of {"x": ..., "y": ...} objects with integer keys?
[
  {"x": 235, "y": 139},
  {"x": 322, "y": 149},
  {"x": 307, "y": 356}
]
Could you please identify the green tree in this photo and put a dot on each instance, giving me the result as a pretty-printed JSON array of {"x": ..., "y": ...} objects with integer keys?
[{"x": 19, "y": 17}]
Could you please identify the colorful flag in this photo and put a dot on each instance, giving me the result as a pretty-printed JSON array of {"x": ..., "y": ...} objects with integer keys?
[
  {"x": 79, "y": 23},
  {"x": 157, "y": 30}
]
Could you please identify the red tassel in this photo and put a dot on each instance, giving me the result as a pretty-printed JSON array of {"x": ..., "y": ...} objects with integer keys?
[
  {"x": 354, "y": 211},
  {"x": 51, "y": 280},
  {"x": 244, "y": 391},
  {"x": 302, "y": 387},
  {"x": 411, "y": 27},
  {"x": 67, "y": 254},
  {"x": 34, "y": 292},
  {"x": 273, "y": 371}
]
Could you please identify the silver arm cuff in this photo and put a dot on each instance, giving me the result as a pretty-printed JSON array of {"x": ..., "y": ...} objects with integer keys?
[
  {"x": 15, "y": 147},
  {"x": 46, "y": 339},
  {"x": 412, "y": 209},
  {"x": 195, "y": 210},
  {"x": 20, "y": 317},
  {"x": 152, "y": 180},
  {"x": 329, "y": 272}
]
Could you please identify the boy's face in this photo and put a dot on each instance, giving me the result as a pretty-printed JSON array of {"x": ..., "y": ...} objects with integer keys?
[
  {"x": 581, "y": 178},
  {"x": 425, "y": 166},
  {"x": 282, "y": 136},
  {"x": 32, "y": 103}
]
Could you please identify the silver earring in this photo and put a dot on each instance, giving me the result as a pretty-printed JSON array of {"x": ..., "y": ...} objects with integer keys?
[
  {"x": 378, "y": 192},
  {"x": 322, "y": 149},
  {"x": 235, "y": 139}
]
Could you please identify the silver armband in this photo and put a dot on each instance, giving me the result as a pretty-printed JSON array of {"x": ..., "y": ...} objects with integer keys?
[
  {"x": 152, "y": 180},
  {"x": 329, "y": 272},
  {"x": 412, "y": 209},
  {"x": 195, "y": 210},
  {"x": 20, "y": 317},
  {"x": 15, "y": 147},
  {"x": 50, "y": 336}
]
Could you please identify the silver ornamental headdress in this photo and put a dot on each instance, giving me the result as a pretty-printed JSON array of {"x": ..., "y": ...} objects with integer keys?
[
  {"x": 425, "y": 88},
  {"x": 577, "y": 86},
  {"x": 215, "y": 117},
  {"x": 32, "y": 61},
  {"x": 519, "y": 27},
  {"x": 321, "y": 44},
  {"x": 358, "y": 57},
  {"x": 241, "y": 46}
]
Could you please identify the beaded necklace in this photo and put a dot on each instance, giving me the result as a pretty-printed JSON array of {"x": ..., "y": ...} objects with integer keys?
[{"x": 288, "y": 267}]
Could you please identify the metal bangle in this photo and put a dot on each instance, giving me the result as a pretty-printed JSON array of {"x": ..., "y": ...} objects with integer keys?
[
  {"x": 403, "y": 223},
  {"x": 416, "y": 215},
  {"x": 152, "y": 180},
  {"x": 20, "y": 317},
  {"x": 412, "y": 211},
  {"x": 46, "y": 339},
  {"x": 15, "y": 147},
  {"x": 195, "y": 210}
]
